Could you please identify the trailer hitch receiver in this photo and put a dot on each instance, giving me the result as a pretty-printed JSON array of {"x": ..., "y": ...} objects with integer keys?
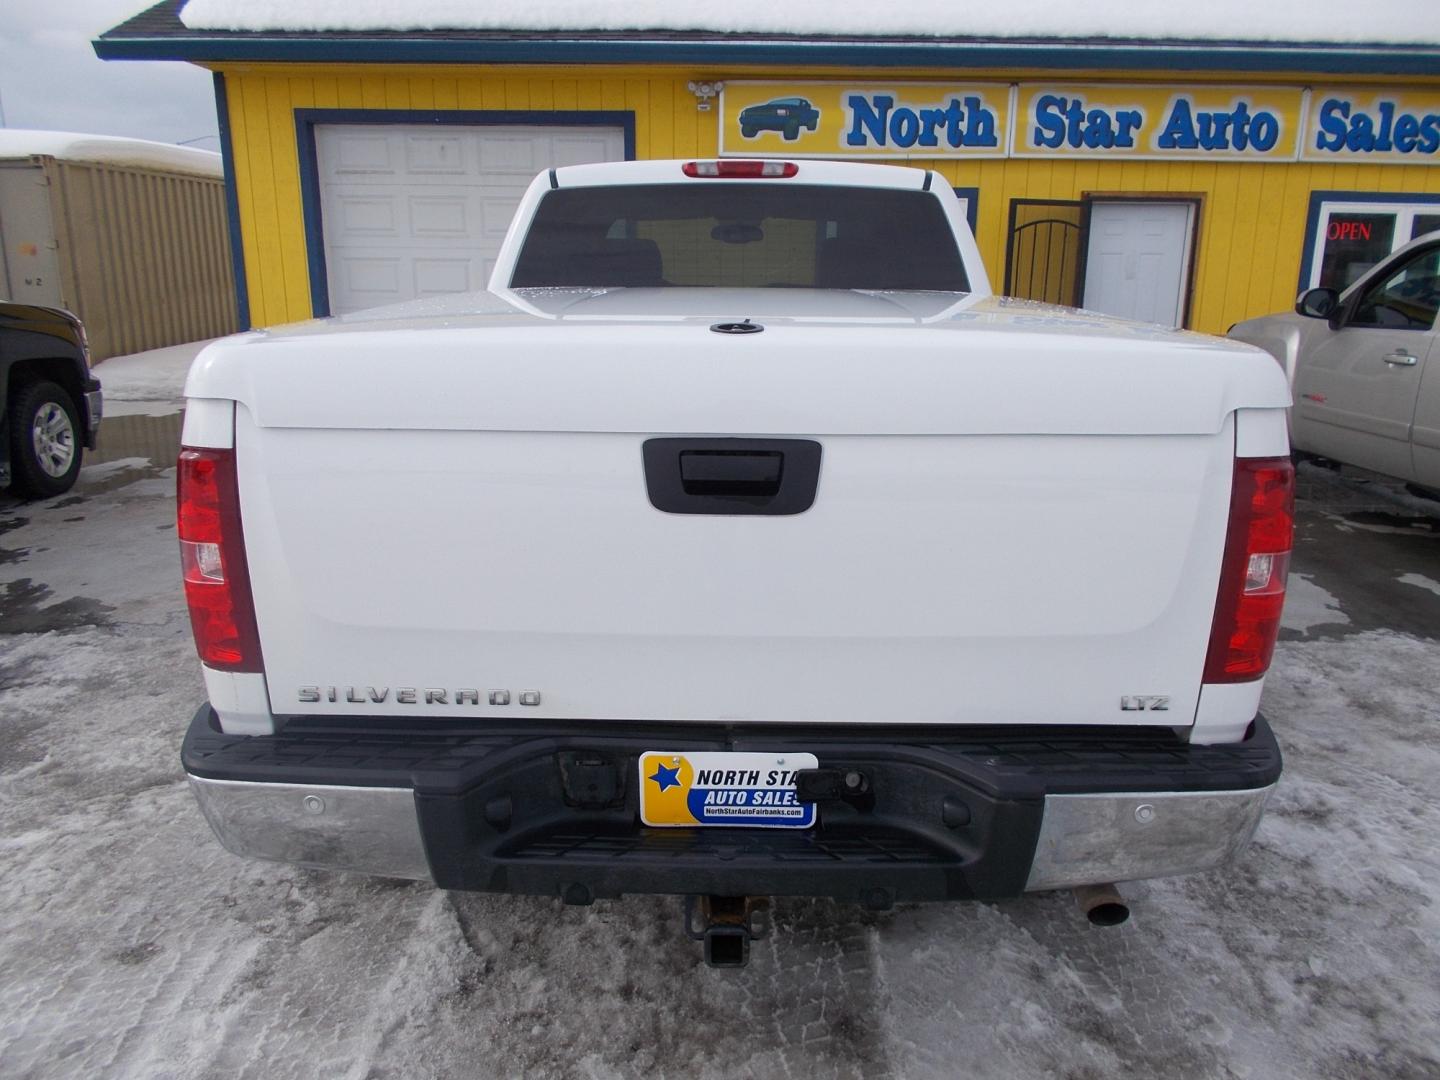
[{"x": 727, "y": 925}]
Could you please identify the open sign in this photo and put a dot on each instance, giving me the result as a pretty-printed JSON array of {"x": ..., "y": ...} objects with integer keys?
[{"x": 1348, "y": 230}]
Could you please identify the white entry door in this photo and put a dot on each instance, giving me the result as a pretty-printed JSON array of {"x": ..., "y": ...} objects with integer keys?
[
  {"x": 414, "y": 210},
  {"x": 1138, "y": 259}
]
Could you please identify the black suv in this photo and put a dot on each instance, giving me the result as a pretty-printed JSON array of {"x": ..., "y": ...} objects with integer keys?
[{"x": 52, "y": 403}]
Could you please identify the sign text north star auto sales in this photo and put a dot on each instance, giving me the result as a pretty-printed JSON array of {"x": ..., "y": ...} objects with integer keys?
[{"x": 1094, "y": 120}]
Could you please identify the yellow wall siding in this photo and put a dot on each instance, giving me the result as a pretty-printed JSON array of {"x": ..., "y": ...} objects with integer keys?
[{"x": 1252, "y": 216}]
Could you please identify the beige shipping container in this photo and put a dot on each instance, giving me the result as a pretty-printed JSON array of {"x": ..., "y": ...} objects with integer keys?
[{"x": 130, "y": 235}]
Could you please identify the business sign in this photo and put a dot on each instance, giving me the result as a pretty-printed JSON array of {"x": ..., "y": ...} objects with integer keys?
[
  {"x": 1158, "y": 123},
  {"x": 1380, "y": 126},
  {"x": 1098, "y": 121},
  {"x": 850, "y": 120}
]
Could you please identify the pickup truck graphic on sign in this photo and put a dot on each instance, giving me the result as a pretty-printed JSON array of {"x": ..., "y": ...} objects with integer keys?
[{"x": 785, "y": 115}]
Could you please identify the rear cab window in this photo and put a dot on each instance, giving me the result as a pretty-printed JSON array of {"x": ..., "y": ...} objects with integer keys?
[{"x": 741, "y": 235}]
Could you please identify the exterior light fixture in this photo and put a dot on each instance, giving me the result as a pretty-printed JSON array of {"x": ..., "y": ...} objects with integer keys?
[{"x": 703, "y": 92}]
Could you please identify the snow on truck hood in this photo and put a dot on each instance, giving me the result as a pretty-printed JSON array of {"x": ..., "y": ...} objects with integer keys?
[{"x": 829, "y": 362}]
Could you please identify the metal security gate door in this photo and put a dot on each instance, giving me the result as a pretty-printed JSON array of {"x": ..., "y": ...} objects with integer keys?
[
  {"x": 1137, "y": 264},
  {"x": 412, "y": 210},
  {"x": 1044, "y": 256}
]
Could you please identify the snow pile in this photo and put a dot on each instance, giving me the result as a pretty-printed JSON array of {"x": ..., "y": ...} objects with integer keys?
[
  {"x": 147, "y": 383},
  {"x": 108, "y": 150},
  {"x": 1395, "y": 21}
]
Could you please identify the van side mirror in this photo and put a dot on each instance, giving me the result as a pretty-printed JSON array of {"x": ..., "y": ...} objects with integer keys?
[{"x": 1317, "y": 303}]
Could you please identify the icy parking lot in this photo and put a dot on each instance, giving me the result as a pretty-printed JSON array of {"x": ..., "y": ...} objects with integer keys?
[{"x": 132, "y": 945}]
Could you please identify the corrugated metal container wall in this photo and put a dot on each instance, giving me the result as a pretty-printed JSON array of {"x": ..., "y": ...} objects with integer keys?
[{"x": 144, "y": 255}]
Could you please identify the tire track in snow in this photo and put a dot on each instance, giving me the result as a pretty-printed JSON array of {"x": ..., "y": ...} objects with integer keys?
[{"x": 618, "y": 990}]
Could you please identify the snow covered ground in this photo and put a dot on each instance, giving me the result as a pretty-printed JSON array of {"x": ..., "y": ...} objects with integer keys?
[{"x": 132, "y": 945}]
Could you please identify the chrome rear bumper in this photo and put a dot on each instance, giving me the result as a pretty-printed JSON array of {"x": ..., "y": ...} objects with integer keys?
[
  {"x": 1093, "y": 839},
  {"x": 369, "y": 830},
  {"x": 1084, "y": 839},
  {"x": 552, "y": 808}
]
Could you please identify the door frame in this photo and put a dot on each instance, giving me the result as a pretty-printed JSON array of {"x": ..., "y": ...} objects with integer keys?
[
  {"x": 1189, "y": 257},
  {"x": 307, "y": 119}
]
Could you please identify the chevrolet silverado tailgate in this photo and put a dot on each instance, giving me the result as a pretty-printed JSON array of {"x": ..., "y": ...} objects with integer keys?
[{"x": 998, "y": 533}]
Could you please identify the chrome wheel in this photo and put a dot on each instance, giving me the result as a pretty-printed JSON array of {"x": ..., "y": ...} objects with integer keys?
[{"x": 53, "y": 436}]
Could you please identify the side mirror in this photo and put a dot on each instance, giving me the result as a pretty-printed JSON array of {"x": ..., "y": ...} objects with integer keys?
[{"x": 1317, "y": 303}]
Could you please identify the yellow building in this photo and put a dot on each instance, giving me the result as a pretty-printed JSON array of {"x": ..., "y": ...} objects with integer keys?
[{"x": 1194, "y": 183}]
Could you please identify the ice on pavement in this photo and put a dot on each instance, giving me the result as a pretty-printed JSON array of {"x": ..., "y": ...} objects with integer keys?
[
  {"x": 1420, "y": 581},
  {"x": 1308, "y": 605}
]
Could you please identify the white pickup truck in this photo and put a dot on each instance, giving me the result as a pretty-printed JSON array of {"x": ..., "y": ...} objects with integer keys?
[{"x": 737, "y": 542}]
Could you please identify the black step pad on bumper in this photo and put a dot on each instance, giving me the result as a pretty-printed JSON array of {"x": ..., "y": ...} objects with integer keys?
[{"x": 1013, "y": 762}]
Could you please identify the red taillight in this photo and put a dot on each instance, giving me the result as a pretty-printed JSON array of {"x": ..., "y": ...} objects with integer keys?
[
  {"x": 1252, "y": 574},
  {"x": 740, "y": 170},
  {"x": 212, "y": 558}
]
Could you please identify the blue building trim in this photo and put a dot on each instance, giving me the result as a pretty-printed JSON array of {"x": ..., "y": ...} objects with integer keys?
[
  {"x": 311, "y": 216},
  {"x": 232, "y": 205},
  {"x": 306, "y": 119},
  {"x": 971, "y": 195},
  {"x": 1337, "y": 59},
  {"x": 1312, "y": 219}
]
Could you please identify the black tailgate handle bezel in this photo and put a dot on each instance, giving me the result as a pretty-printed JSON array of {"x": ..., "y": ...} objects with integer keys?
[{"x": 732, "y": 475}]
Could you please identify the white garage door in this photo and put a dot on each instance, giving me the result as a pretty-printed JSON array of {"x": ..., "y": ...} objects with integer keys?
[{"x": 415, "y": 210}]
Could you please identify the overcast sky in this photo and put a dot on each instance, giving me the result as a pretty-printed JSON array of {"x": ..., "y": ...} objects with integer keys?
[{"x": 50, "y": 77}]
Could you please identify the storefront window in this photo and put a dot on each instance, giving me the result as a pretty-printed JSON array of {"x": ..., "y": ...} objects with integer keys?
[
  {"x": 1353, "y": 244},
  {"x": 1354, "y": 233},
  {"x": 1425, "y": 223}
]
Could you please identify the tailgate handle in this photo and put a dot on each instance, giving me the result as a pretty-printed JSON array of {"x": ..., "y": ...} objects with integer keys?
[
  {"x": 731, "y": 472},
  {"x": 731, "y": 476}
]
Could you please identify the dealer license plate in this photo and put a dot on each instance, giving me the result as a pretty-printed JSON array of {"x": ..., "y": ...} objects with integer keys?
[{"x": 683, "y": 790}]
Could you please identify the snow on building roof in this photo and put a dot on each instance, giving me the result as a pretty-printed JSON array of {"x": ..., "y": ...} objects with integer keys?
[
  {"x": 1413, "y": 22},
  {"x": 108, "y": 150}
]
